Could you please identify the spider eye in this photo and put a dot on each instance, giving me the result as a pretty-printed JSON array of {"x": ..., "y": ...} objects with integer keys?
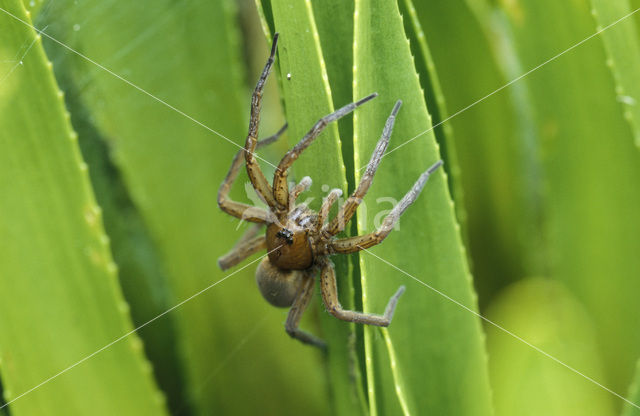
[{"x": 286, "y": 234}]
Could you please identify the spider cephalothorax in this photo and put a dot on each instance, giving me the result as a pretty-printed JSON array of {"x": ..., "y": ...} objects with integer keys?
[{"x": 298, "y": 240}]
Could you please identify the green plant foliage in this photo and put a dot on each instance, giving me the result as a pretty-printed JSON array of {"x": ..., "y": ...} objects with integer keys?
[
  {"x": 172, "y": 167},
  {"x": 493, "y": 142},
  {"x": 427, "y": 246},
  {"x": 305, "y": 85},
  {"x": 307, "y": 97},
  {"x": 59, "y": 294},
  {"x": 435, "y": 100},
  {"x": 334, "y": 20},
  {"x": 634, "y": 396},
  {"x": 143, "y": 281},
  {"x": 527, "y": 382},
  {"x": 623, "y": 53},
  {"x": 545, "y": 152},
  {"x": 591, "y": 172}
]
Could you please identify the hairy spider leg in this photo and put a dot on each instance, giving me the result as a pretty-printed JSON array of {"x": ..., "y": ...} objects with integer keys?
[
  {"x": 331, "y": 199},
  {"x": 280, "y": 188},
  {"x": 250, "y": 243},
  {"x": 260, "y": 183},
  {"x": 357, "y": 243},
  {"x": 349, "y": 207},
  {"x": 302, "y": 300},
  {"x": 238, "y": 209},
  {"x": 305, "y": 184},
  {"x": 329, "y": 291},
  {"x": 251, "y": 232}
]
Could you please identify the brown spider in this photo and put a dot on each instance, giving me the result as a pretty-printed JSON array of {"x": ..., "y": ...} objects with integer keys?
[{"x": 298, "y": 241}]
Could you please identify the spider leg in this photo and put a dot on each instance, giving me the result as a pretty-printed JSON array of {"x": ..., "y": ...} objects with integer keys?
[
  {"x": 304, "y": 184},
  {"x": 280, "y": 189},
  {"x": 303, "y": 298},
  {"x": 248, "y": 244},
  {"x": 326, "y": 206},
  {"x": 329, "y": 291},
  {"x": 249, "y": 234},
  {"x": 237, "y": 209},
  {"x": 351, "y": 204},
  {"x": 260, "y": 183},
  {"x": 357, "y": 243}
]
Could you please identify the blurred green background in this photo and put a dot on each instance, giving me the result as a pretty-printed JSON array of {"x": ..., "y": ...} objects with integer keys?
[{"x": 119, "y": 122}]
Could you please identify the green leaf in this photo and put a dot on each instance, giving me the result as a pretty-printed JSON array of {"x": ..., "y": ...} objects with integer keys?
[
  {"x": 526, "y": 382},
  {"x": 304, "y": 86},
  {"x": 188, "y": 56},
  {"x": 334, "y": 19},
  {"x": 634, "y": 395},
  {"x": 496, "y": 150},
  {"x": 60, "y": 299},
  {"x": 335, "y": 27},
  {"x": 144, "y": 283},
  {"x": 308, "y": 97},
  {"x": 591, "y": 171},
  {"x": 623, "y": 54},
  {"x": 438, "y": 363},
  {"x": 33, "y": 6},
  {"x": 434, "y": 97}
]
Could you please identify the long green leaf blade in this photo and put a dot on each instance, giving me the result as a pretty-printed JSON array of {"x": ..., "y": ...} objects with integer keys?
[
  {"x": 187, "y": 55},
  {"x": 436, "y": 102},
  {"x": 634, "y": 395},
  {"x": 334, "y": 19},
  {"x": 60, "y": 299},
  {"x": 623, "y": 54},
  {"x": 493, "y": 136},
  {"x": 438, "y": 358},
  {"x": 591, "y": 171},
  {"x": 143, "y": 281},
  {"x": 308, "y": 96}
]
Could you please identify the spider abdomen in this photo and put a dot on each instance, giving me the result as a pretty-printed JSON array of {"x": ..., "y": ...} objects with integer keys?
[
  {"x": 278, "y": 287},
  {"x": 289, "y": 247}
]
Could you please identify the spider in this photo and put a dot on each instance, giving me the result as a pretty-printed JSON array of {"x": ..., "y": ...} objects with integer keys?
[{"x": 298, "y": 240}]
